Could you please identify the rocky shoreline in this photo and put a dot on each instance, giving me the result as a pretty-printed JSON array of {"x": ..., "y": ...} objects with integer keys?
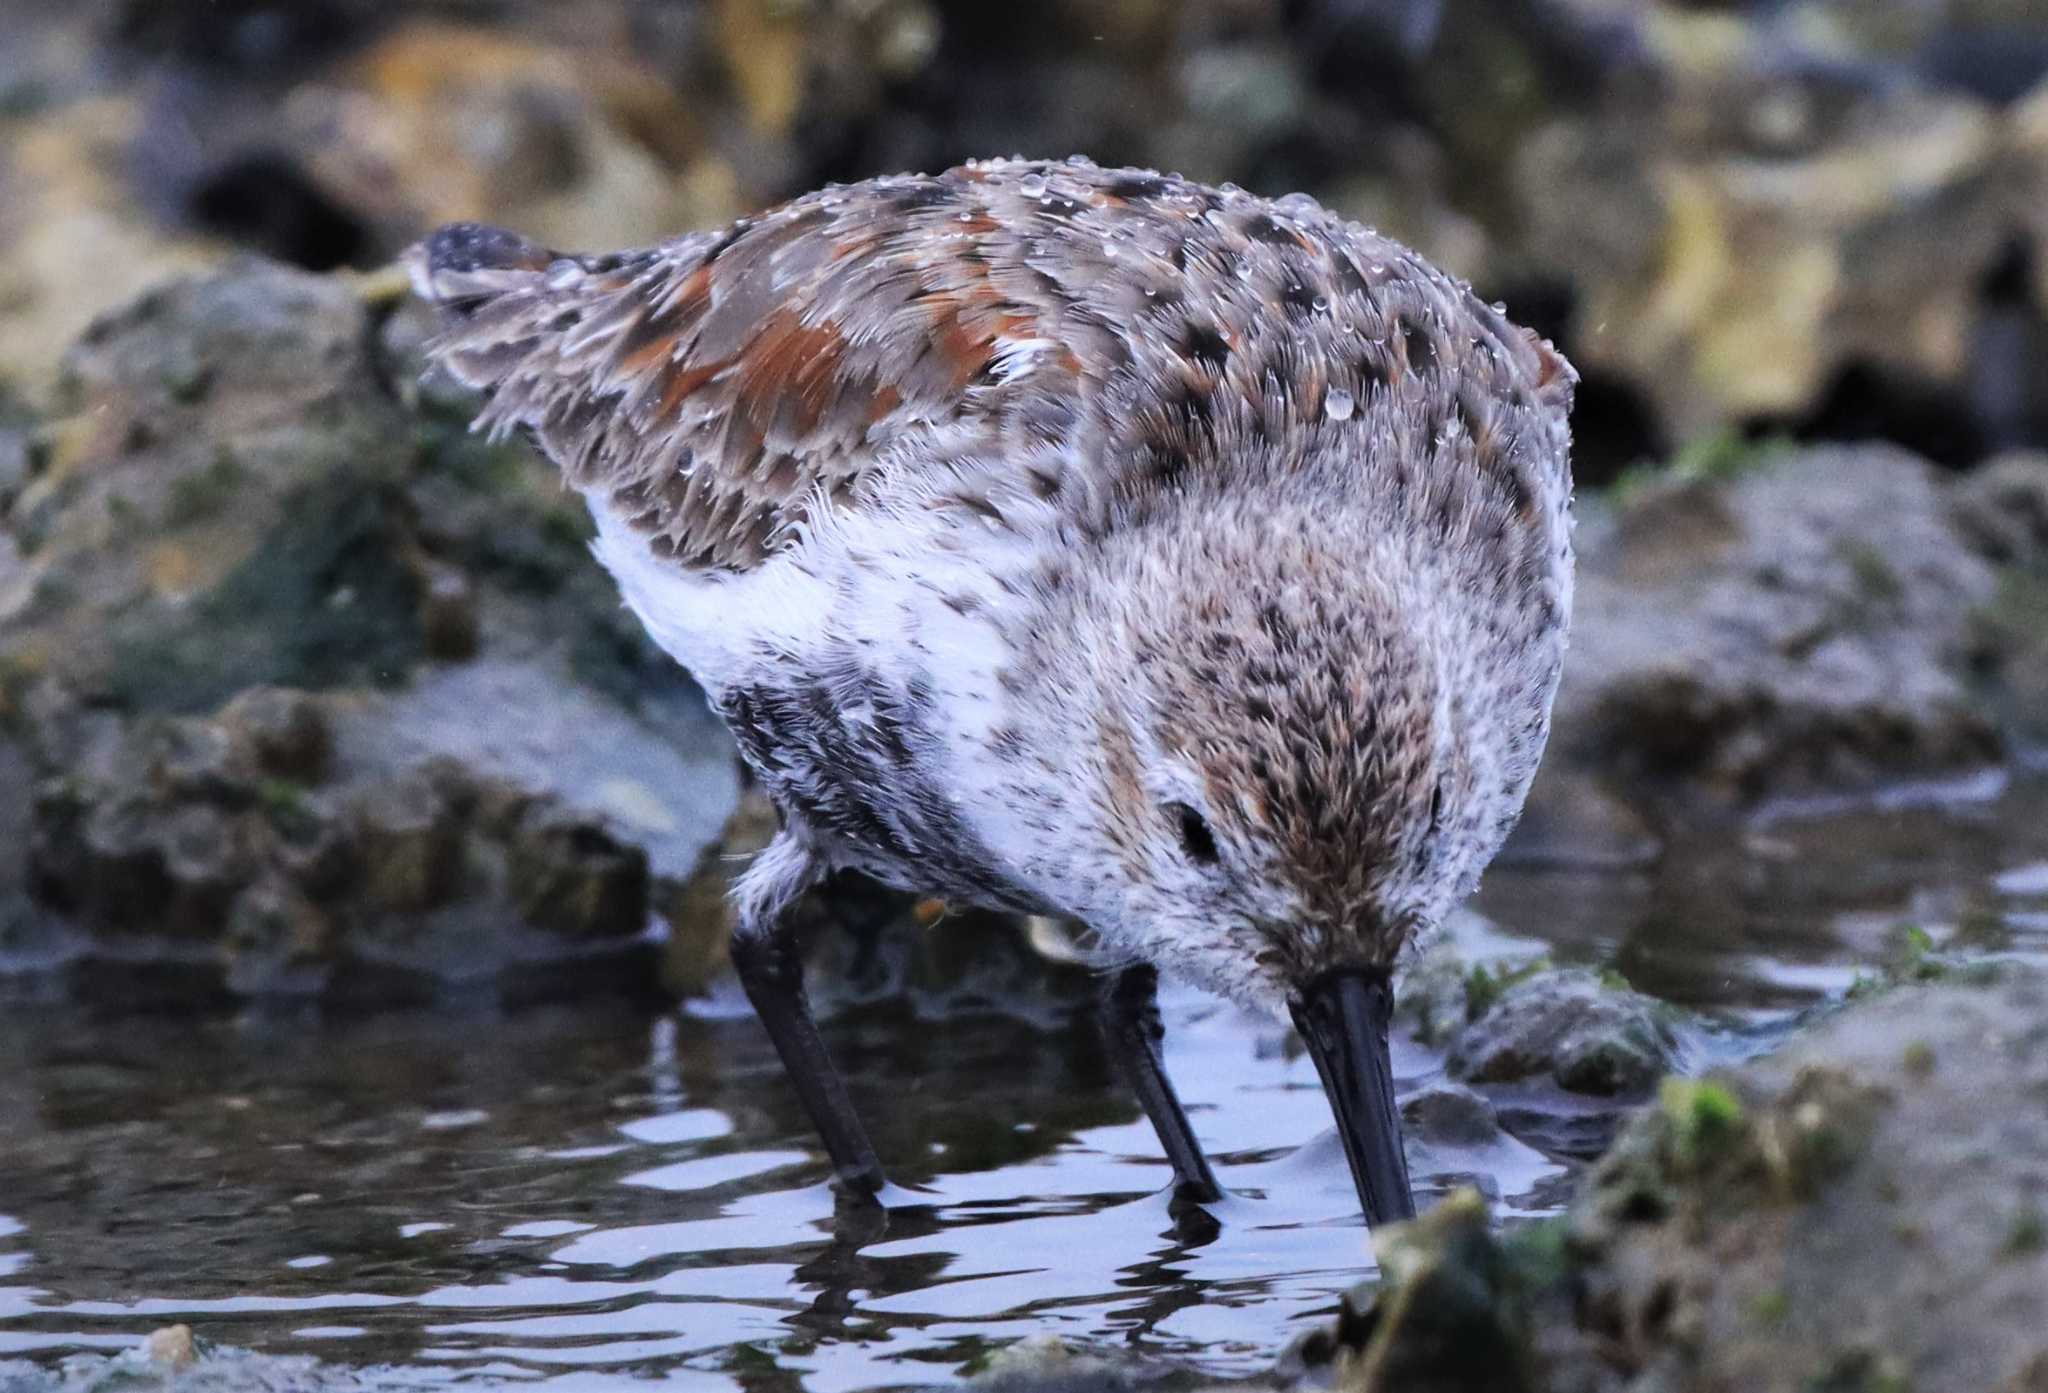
[
  {"x": 310, "y": 698},
  {"x": 311, "y": 693},
  {"x": 308, "y": 695},
  {"x": 1854, "y": 1211}
]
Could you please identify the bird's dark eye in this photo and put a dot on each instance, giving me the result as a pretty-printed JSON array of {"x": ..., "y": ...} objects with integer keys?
[{"x": 1196, "y": 840}]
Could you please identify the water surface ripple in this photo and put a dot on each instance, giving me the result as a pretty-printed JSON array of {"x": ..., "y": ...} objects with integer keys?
[{"x": 581, "y": 1195}]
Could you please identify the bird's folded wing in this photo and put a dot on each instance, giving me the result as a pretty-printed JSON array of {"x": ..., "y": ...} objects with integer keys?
[{"x": 1006, "y": 339}]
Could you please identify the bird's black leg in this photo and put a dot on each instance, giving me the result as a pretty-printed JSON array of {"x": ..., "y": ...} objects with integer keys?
[
  {"x": 1129, "y": 1012},
  {"x": 771, "y": 970}
]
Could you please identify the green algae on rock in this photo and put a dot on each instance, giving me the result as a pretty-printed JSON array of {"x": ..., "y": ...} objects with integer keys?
[
  {"x": 1508, "y": 1018},
  {"x": 1448, "y": 1313},
  {"x": 282, "y": 640},
  {"x": 1837, "y": 1210},
  {"x": 1860, "y": 1209},
  {"x": 1588, "y": 1035}
]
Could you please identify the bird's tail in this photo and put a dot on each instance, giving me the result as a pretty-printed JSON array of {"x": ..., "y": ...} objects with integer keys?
[
  {"x": 531, "y": 326},
  {"x": 486, "y": 282},
  {"x": 465, "y": 265},
  {"x": 535, "y": 329},
  {"x": 491, "y": 288}
]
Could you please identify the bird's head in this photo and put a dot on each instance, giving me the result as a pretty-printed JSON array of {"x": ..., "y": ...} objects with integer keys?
[{"x": 1290, "y": 788}]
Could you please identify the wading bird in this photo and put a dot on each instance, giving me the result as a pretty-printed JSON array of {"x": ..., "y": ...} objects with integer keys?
[{"x": 1074, "y": 541}]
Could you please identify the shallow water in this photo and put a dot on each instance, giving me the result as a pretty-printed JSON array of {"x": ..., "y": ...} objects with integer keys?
[{"x": 585, "y": 1195}]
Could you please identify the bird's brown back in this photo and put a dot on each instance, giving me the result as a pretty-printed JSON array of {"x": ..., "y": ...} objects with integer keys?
[{"x": 991, "y": 340}]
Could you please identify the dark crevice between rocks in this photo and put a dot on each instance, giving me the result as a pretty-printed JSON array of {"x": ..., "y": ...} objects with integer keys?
[
  {"x": 2009, "y": 352},
  {"x": 1867, "y": 402},
  {"x": 1613, "y": 429},
  {"x": 1996, "y": 63},
  {"x": 981, "y": 87},
  {"x": 263, "y": 201},
  {"x": 240, "y": 36},
  {"x": 2001, "y": 404},
  {"x": 1379, "y": 55}
]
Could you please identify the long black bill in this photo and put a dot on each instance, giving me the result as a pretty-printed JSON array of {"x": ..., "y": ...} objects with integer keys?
[{"x": 1343, "y": 1016}]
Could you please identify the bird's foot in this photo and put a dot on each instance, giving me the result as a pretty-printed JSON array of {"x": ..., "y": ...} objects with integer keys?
[
  {"x": 862, "y": 1184},
  {"x": 1190, "y": 1209}
]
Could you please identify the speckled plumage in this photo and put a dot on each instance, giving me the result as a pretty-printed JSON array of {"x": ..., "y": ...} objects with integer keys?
[{"x": 1011, "y": 515}]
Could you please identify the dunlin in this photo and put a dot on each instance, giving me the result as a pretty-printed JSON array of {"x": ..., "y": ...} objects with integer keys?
[{"x": 1074, "y": 541}]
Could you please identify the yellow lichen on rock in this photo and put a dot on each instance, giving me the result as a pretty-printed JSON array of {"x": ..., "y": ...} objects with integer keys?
[{"x": 79, "y": 241}]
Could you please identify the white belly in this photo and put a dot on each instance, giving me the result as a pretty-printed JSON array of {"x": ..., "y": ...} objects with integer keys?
[{"x": 862, "y": 611}]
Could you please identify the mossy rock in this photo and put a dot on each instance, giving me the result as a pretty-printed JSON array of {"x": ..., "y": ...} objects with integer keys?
[{"x": 1585, "y": 1033}]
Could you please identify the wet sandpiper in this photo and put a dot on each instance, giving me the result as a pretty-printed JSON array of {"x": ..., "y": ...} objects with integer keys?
[{"x": 1074, "y": 541}]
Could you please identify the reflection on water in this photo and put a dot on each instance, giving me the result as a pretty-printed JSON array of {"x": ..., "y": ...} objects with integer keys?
[{"x": 599, "y": 1192}]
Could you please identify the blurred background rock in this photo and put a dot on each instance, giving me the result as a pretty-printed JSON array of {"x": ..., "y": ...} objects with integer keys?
[
  {"x": 1798, "y": 250},
  {"x": 1815, "y": 216}
]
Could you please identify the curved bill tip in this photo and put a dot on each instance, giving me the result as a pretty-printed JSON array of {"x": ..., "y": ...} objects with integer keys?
[{"x": 1343, "y": 1017}]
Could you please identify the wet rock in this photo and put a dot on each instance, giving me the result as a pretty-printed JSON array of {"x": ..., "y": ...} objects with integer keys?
[
  {"x": 284, "y": 732},
  {"x": 182, "y": 550},
  {"x": 277, "y": 941},
  {"x": 1588, "y": 1035},
  {"x": 1767, "y": 221},
  {"x": 1431, "y": 996},
  {"x": 124, "y": 884},
  {"x": 436, "y": 751},
  {"x": 370, "y": 887},
  {"x": 1572, "y": 822},
  {"x": 14, "y": 459},
  {"x": 577, "y": 145},
  {"x": 205, "y": 863},
  {"x": 2002, "y": 510},
  {"x": 1858, "y": 1209},
  {"x": 410, "y": 844},
  {"x": 80, "y": 240},
  {"x": 17, "y": 811},
  {"x": 2013, "y": 633},
  {"x": 1446, "y": 1316},
  {"x": 1459, "y": 975},
  {"x": 698, "y": 907},
  {"x": 337, "y": 155},
  {"x": 572, "y": 876},
  {"x": 623, "y": 738},
  {"x": 876, "y": 949},
  {"x": 1451, "y": 1116},
  {"x": 190, "y": 759},
  {"x": 310, "y": 839},
  {"x": 1775, "y": 622},
  {"x": 448, "y": 613},
  {"x": 173, "y": 1358}
]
